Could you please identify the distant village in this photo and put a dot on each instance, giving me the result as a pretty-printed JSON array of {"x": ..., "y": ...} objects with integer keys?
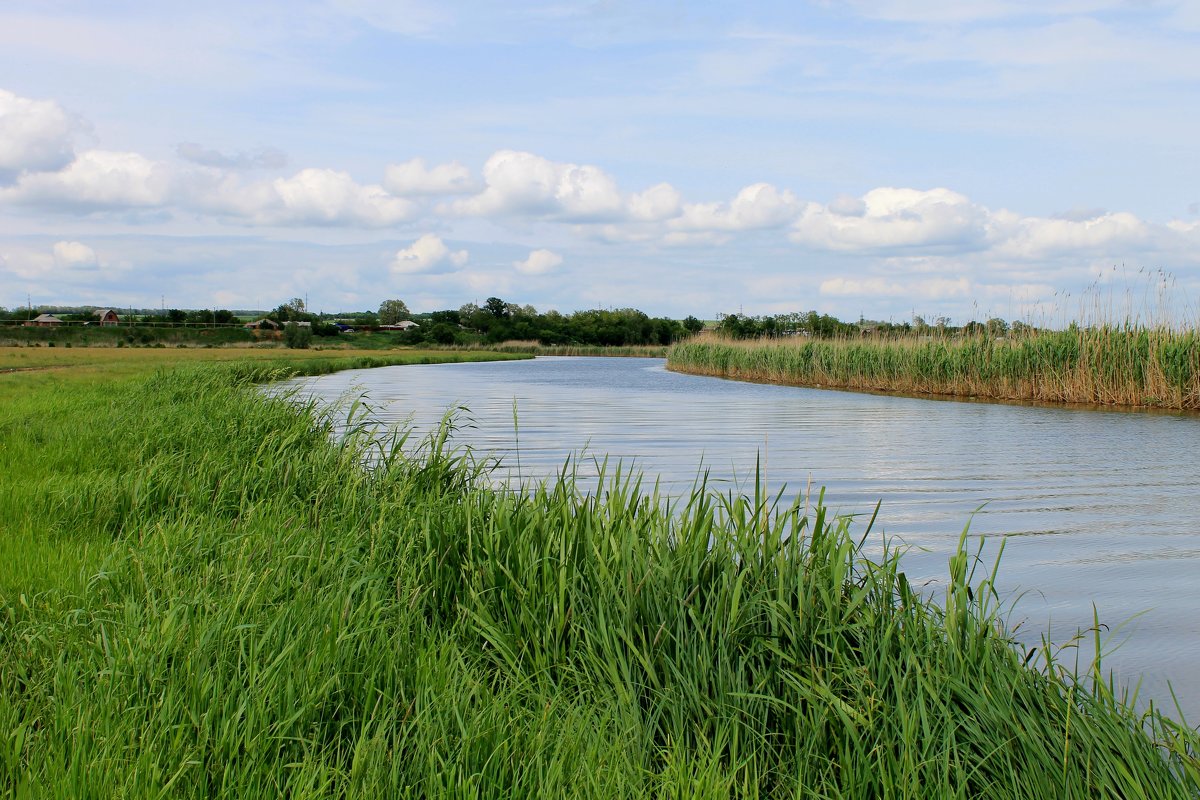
[{"x": 492, "y": 322}]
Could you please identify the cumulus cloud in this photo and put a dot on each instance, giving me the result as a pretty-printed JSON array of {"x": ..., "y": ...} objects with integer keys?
[
  {"x": 539, "y": 262},
  {"x": 66, "y": 262},
  {"x": 262, "y": 158},
  {"x": 319, "y": 197},
  {"x": 518, "y": 183},
  {"x": 659, "y": 202},
  {"x": 414, "y": 178},
  {"x": 74, "y": 254},
  {"x": 1033, "y": 237},
  {"x": 429, "y": 254},
  {"x": 96, "y": 179},
  {"x": 35, "y": 135},
  {"x": 330, "y": 197},
  {"x": 893, "y": 218},
  {"x": 759, "y": 205}
]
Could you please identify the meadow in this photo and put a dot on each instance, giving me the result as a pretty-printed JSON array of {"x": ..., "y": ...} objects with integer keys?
[
  {"x": 204, "y": 593},
  {"x": 1105, "y": 365}
]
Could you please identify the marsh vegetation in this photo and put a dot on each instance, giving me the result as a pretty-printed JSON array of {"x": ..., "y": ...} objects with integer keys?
[{"x": 1105, "y": 365}]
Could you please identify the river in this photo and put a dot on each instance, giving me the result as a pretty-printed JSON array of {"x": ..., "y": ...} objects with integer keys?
[{"x": 1098, "y": 507}]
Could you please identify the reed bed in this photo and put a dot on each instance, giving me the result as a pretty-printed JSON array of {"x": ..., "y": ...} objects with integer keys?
[
  {"x": 239, "y": 609},
  {"x": 1110, "y": 366}
]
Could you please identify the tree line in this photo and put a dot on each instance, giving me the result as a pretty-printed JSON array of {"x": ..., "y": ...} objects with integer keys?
[
  {"x": 824, "y": 326},
  {"x": 497, "y": 321}
]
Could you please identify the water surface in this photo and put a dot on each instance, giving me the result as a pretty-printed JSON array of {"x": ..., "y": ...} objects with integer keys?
[{"x": 1098, "y": 508}]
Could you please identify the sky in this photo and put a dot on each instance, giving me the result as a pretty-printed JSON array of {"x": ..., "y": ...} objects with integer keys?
[{"x": 1031, "y": 160}]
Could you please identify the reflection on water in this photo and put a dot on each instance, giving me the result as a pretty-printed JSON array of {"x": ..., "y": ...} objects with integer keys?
[{"x": 1100, "y": 506}]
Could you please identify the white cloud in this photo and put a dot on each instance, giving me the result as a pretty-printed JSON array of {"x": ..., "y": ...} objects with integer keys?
[
  {"x": 413, "y": 178},
  {"x": 320, "y": 197},
  {"x": 429, "y": 254},
  {"x": 96, "y": 179},
  {"x": 28, "y": 265},
  {"x": 659, "y": 202},
  {"x": 35, "y": 135},
  {"x": 539, "y": 262},
  {"x": 66, "y": 262},
  {"x": 759, "y": 205},
  {"x": 890, "y": 218},
  {"x": 74, "y": 254},
  {"x": 518, "y": 183},
  {"x": 1033, "y": 237},
  {"x": 330, "y": 197}
]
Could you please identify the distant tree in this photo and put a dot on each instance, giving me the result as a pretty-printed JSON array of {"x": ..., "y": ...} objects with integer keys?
[
  {"x": 997, "y": 327},
  {"x": 297, "y": 337},
  {"x": 393, "y": 311},
  {"x": 175, "y": 316},
  {"x": 693, "y": 325},
  {"x": 293, "y": 310},
  {"x": 497, "y": 307},
  {"x": 442, "y": 333}
]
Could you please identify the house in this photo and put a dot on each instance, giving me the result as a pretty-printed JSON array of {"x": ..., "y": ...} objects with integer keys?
[
  {"x": 263, "y": 324},
  {"x": 44, "y": 321},
  {"x": 403, "y": 325},
  {"x": 107, "y": 316}
]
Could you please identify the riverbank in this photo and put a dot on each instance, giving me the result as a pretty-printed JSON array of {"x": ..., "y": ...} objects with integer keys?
[
  {"x": 1140, "y": 368},
  {"x": 234, "y": 607}
]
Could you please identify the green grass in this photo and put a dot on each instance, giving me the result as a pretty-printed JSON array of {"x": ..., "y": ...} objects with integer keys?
[
  {"x": 123, "y": 336},
  {"x": 1118, "y": 366},
  {"x": 202, "y": 594}
]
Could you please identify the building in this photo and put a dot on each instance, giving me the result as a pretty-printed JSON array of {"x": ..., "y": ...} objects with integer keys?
[
  {"x": 263, "y": 324},
  {"x": 44, "y": 321},
  {"x": 107, "y": 316},
  {"x": 400, "y": 326}
]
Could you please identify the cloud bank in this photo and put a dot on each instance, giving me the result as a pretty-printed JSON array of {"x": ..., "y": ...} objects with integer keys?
[{"x": 764, "y": 242}]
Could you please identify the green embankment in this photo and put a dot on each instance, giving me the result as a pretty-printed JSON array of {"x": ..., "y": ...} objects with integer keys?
[
  {"x": 1157, "y": 368},
  {"x": 201, "y": 595}
]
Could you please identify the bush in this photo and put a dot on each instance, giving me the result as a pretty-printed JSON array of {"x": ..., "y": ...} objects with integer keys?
[{"x": 297, "y": 337}]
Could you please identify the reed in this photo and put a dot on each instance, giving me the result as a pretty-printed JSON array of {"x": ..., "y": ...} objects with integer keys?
[
  {"x": 238, "y": 608},
  {"x": 1106, "y": 365}
]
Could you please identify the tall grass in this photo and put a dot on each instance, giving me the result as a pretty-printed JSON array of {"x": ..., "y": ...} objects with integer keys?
[
  {"x": 251, "y": 613},
  {"x": 1118, "y": 366}
]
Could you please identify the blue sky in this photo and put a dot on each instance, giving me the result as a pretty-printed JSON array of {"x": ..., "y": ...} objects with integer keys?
[{"x": 881, "y": 157}]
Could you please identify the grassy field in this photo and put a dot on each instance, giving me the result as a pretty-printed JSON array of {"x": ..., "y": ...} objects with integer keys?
[
  {"x": 203, "y": 595},
  {"x": 124, "y": 336},
  {"x": 1137, "y": 367}
]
